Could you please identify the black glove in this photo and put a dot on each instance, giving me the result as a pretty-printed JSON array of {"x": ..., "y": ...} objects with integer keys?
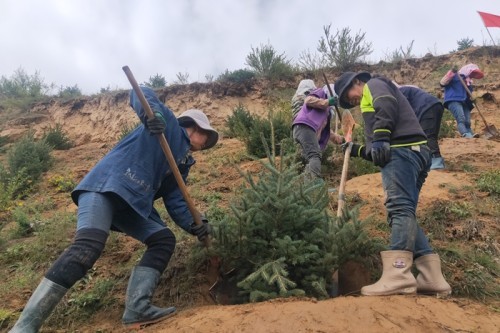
[
  {"x": 157, "y": 124},
  {"x": 201, "y": 231},
  {"x": 381, "y": 153},
  {"x": 344, "y": 146}
]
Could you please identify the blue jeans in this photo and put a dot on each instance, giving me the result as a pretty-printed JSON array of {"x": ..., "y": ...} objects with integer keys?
[
  {"x": 461, "y": 112},
  {"x": 106, "y": 210},
  {"x": 402, "y": 179}
]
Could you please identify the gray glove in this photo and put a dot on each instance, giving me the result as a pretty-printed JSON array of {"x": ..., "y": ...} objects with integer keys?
[{"x": 201, "y": 231}]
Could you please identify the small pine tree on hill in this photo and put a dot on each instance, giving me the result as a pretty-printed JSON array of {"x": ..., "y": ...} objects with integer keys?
[{"x": 281, "y": 240}]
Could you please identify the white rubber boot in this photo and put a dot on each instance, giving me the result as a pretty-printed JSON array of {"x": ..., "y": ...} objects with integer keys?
[
  {"x": 430, "y": 279},
  {"x": 396, "y": 275}
]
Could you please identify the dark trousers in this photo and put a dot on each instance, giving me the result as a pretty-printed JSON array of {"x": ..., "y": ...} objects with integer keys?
[{"x": 431, "y": 123}]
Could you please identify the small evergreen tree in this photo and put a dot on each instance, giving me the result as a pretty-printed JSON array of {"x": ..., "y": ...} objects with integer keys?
[
  {"x": 280, "y": 238},
  {"x": 465, "y": 43},
  {"x": 156, "y": 81}
]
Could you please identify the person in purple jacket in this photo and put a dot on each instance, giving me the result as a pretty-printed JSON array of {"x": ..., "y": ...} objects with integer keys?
[
  {"x": 118, "y": 194},
  {"x": 311, "y": 129}
]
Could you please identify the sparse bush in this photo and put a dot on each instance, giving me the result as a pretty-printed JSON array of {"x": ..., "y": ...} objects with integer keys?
[
  {"x": 69, "y": 92},
  {"x": 34, "y": 157},
  {"x": 253, "y": 129},
  {"x": 62, "y": 183},
  {"x": 400, "y": 54},
  {"x": 343, "y": 50},
  {"x": 182, "y": 78},
  {"x": 465, "y": 43},
  {"x": 12, "y": 187},
  {"x": 448, "y": 125},
  {"x": 21, "y": 85},
  {"x": 239, "y": 123},
  {"x": 489, "y": 181},
  {"x": 156, "y": 81},
  {"x": 237, "y": 76},
  {"x": 310, "y": 61},
  {"x": 56, "y": 138},
  {"x": 473, "y": 273},
  {"x": 209, "y": 78},
  {"x": 266, "y": 62}
]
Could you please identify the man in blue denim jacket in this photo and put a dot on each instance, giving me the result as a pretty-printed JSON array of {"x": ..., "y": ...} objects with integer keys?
[{"x": 118, "y": 194}]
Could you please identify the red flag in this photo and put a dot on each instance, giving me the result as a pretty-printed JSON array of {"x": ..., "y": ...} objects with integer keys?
[{"x": 490, "y": 20}]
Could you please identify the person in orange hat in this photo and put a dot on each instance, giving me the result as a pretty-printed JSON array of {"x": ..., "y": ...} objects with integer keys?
[{"x": 456, "y": 98}]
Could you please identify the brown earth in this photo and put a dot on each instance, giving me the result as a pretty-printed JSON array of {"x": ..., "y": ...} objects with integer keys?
[{"x": 94, "y": 124}]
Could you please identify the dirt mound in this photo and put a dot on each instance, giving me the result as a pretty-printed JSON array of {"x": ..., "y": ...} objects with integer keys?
[{"x": 343, "y": 314}]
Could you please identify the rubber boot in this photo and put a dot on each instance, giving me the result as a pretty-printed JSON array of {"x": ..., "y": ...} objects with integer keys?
[
  {"x": 437, "y": 163},
  {"x": 430, "y": 279},
  {"x": 138, "y": 308},
  {"x": 396, "y": 275},
  {"x": 40, "y": 305}
]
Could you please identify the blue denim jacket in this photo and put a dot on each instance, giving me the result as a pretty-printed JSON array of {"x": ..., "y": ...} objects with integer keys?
[
  {"x": 455, "y": 92},
  {"x": 137, "y": 170}
]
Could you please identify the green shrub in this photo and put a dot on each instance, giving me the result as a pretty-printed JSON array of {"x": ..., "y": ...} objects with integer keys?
[
  {"x": 341, "y": 49},
  {"x": 448, "y": 125},
  {"x": 56, "y": 138},
  {"x": 266, "y": 62},
  {"x": 12, "y": 187},
  {"x": 275, "y": 130},
  {"x": 34, "y": 157},
  {"x": 239, "y": 123},
  {"x": 489, "y": 182},
  {"x": 237, "y": 76}
]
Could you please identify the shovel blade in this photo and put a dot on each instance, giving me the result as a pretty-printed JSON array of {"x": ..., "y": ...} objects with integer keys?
[{"x": 490, "y": 131}]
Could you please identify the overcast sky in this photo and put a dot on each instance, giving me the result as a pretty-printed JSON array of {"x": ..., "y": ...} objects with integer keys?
[{"x": 86, "y": 42}]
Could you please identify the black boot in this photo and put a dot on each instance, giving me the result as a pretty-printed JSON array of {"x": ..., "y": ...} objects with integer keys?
[
  {"x": 40, "y": 305},
  {"x": 138, "y": 308}
]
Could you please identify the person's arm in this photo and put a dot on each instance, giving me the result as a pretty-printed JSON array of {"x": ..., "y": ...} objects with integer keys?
[
  {"x": 177, "y": 207},
  {"x": 316, "y": 102},
  {"x": 336, "y": 138},
  {"x": 448, "y": 76},
  {"x": 384, "y": 110},
  {"x": 358, "y": 150}
]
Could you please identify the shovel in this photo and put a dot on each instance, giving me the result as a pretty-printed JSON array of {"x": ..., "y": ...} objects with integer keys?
[
  {"x": 348, "y": 124},
  {"x": 489, "y": 131}
]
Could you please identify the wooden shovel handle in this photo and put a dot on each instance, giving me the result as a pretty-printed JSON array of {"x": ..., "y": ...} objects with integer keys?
[
  {"x": 166, "y": 149},
  {"x": 470, "y": 96}
]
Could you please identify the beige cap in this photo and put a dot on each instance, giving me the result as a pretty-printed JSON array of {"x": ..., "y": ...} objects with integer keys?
[{"x": 191, "y": 116}]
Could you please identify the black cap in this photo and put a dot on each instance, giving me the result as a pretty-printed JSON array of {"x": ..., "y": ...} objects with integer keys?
[{"x": 344, "y": 81}]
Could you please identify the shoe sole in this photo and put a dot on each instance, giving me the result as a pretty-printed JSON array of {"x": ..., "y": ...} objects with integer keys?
[
  {"x": 404, "y": 291},
  {"x": 142, "y": 324}
]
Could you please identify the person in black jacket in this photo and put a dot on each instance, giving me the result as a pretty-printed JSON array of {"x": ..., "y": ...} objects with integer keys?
[
  {"x": 429, "y": 111},
  {"x": 396, "y": 143}
]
